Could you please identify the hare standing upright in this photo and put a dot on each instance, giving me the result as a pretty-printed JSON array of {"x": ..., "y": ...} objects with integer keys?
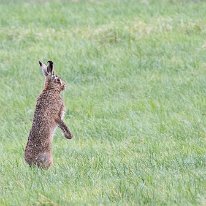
[{"x": 48, "y": 115}]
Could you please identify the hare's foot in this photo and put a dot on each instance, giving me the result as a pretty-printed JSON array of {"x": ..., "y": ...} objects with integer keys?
[{"x": 43, "y": 160}]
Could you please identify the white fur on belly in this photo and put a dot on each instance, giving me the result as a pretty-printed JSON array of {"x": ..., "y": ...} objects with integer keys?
[
  {"x": 62, "y": 114},
  {"x": 53, "y": 131}
]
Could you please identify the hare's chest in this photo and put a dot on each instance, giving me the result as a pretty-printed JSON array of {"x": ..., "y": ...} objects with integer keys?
[{"x": 62, "y": 112}]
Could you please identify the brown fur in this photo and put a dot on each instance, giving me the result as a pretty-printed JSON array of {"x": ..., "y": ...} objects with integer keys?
[{"x": 48, "y": 115}]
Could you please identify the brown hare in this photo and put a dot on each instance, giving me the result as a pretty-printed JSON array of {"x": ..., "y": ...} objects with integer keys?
[{"x": 48, "y": 115}]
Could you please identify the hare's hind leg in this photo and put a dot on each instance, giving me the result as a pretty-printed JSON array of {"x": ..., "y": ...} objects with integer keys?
[{"x": 44, "y": 160}]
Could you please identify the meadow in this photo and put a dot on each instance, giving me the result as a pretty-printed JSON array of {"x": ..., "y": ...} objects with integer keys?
[{"x": 135, "y": 99}]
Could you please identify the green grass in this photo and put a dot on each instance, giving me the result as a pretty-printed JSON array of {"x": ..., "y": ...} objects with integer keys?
[{"x": 136, "y": 101}]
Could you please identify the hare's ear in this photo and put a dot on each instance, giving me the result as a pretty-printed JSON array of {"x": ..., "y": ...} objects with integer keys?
[
  {"x": 50, "y": 68},
  {"x": 43, "y": 68}
]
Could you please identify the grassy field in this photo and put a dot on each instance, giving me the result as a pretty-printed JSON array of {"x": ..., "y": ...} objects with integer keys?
[{"x": 136, "y": 101}]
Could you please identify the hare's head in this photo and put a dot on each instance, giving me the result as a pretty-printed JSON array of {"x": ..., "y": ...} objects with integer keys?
[{"x": 52, "y": 81}]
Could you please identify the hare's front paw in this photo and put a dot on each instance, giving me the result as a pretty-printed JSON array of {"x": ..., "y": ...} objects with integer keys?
[{"x": 68, "y": 135}]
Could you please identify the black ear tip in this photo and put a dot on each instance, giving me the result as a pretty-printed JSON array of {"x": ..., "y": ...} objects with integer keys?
[
  {"x": 40, "y": 63},
  {"x": 50, "y": 62}
]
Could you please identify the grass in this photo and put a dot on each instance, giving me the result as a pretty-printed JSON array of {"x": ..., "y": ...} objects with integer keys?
[{"x": 135, "y": 101}]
